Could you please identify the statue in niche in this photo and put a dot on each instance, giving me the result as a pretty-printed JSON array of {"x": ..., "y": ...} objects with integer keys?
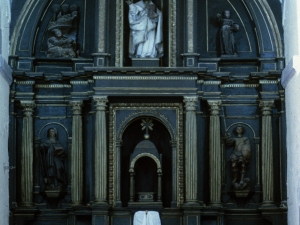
[
  {"x": 62, "y": 31},
  {"x": 240, "y": 157},
  {"x": 52, "y": 156},
  {"x": 227, "y": 42},
  {"x": 146, "y": 34}
]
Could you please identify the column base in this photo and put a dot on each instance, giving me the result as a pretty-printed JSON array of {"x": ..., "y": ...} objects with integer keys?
[
  {"x": 215, "y": 205},
  {"x": 27, "y": 205},
  {"x": 268, "y": 205}
]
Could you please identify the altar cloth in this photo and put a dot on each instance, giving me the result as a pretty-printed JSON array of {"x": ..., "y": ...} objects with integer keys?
[{"x": 146, "y": 218}]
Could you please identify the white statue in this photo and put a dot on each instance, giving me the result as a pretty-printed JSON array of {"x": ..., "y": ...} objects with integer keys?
[{"x": 146, "y": 37}]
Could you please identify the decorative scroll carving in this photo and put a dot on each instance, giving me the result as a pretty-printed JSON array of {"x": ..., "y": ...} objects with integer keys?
[
  {"x": 227, "y": 42},
  {"x": 62, "y": 31},
  {"x": 240, "y": 157}
]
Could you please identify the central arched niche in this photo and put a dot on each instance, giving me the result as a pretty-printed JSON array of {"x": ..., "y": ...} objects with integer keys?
[{"x": 161, "y": 138}]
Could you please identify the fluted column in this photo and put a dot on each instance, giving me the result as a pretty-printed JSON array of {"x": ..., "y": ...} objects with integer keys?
[
  {"x": 76, "y": 154},
  {"x": 215, "y": 154},
  {"x": 191, "y": 149},
  {"x": 100, "y": 151},
  {"x": 27, "y": 154},
  {"x": 118, "y": 172},
  {"x": 267, "y": 153}
]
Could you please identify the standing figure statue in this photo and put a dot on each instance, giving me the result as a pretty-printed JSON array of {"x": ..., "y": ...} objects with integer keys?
[
  {"x": 240, "y": 157},
  {"x": 52, "y": 156},
  {"x": 146, "y": 34},
  {"x": 227, "y": 42}
]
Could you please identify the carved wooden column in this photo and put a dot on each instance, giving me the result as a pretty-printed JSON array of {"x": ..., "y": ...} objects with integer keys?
[
  {"x": 118, "y": 172},
  {"x": 101, "y": 56},
  {"x": 100, "y": 151},
  {"x": 191, "y": 149},
  {"x": 174, "y": 172},
  {"x": 27, "y": 155},
  {"x": 267, "y": 153},
  {"x": 76, "y": 154},
  {"x": 215, "y": 154},
  {"x": 190, "y": 56}
]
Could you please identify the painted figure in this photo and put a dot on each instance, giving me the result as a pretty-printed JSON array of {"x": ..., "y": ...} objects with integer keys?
[
  {"x": 146, "y": 37},
  {"x": 227, "y": 41}
]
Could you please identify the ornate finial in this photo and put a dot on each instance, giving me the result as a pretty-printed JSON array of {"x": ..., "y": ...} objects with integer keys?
[{"x": 147, "y": 124}]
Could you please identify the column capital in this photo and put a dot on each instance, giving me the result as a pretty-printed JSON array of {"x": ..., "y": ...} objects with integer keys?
[
  {"x": 214, "y": 107},
  {"x": 28, "y": 106},
  {"x": 190, "y": 102},
  {"x": 266, "y": 106},
  {"x": 100, "y": 102},
  {"x": 76, "y": 106}
]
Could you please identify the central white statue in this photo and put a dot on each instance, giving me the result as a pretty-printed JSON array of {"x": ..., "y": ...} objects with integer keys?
[{"x": 146, "y": 37}]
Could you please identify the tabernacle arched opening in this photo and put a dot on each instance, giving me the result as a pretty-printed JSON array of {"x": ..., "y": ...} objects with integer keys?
[{"x": 161, "y": 139}]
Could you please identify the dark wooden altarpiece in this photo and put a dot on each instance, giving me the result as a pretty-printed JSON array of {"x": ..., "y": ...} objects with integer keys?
[{"x": 131, "y": 136}]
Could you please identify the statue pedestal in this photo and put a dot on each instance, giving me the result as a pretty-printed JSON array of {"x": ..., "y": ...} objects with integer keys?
[{"x": 145, "y": 62}]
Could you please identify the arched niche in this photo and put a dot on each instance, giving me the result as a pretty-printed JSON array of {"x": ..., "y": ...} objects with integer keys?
[{"x": 161, "y": 139}]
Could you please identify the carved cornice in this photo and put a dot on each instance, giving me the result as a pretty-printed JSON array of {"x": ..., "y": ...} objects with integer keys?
[
  {"x": 190, "y": 103},
  {"x": 76, "y": 107},
  {"x": 266, "y": 107},
  {"x": 100, "y": 102},
  {"x": 144, "y": 78},
  {"x": 29, "y": 82},
  {"x": 27, "y": 108},
  {"x": 239, "y": 85},
  {"x": 268, "y": 81},
  {"x": 214, "y": 107},
  {"x": 81, "y": 82},
  {"x": 50, "y": 86},
  {"x": 211, "y": 82}
]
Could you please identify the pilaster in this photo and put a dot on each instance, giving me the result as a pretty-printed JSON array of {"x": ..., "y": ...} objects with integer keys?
[
  {"x": 27, "y": 154},
  {"x": 76, "y": 154},
  {"x": 100, "y": 151},
  {"x": 267, "y": 153},
  {"x": 215, "y": 154},
  {"x": 191, "y": 149}
]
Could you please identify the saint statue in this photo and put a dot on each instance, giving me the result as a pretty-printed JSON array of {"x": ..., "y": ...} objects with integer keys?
[
  {"x": 227, "y": 42},
  {"x": 240, "y": 157},
  {"x": 52, "y": 156},
  {"x": 146, "y": 37}
]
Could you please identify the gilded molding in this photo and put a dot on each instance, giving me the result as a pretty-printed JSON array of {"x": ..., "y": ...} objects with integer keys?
[
  {"x": 172, "y": 33},
  {"x": 119, "y": 33},
  {"x": 190, "y": 25},
  {"x": 239, "y": 85},
  {"x": 212, "y": 82},
  {"x": 145, "y": 155},
  {"x": 50, "y": 86},
  {"x": 268, "y": 81},
  {"x": 143, "y": 78},
  {"x": 79, "y": 82},
  {"x": 25, "y": 82}
]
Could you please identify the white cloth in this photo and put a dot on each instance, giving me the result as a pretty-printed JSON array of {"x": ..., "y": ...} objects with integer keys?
[
  {"x": 151, "y": 218},
  {"x": 146, "y": 34}
]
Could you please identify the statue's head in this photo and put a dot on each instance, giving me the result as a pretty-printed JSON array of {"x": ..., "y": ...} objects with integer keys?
[
  {"x": 73, "y": 8},
  {"x": 55, "y": 8},
  {"x": 52, "y": 133},
  {"x": 239, "y": 130},
  {"x": 65, "y": 8},
  {"x": 226, "y": 14}
]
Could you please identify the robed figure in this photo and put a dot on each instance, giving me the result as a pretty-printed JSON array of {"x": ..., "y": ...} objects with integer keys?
[
  {"x": 146, "y": 34},
  {"x": 227, "y": 41},
  {"x": 52, "y": 157}
]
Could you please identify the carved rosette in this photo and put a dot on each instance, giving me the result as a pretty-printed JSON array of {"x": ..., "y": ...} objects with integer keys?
[
  {"x": 191, "y": 150},
  {"x": 76, "y": 154},
  {"x": 215, "y": 163},
  {"x": 27, "y": 154},
  {"x": 267, "y": 153},
  {"x": 100, "y": 150}
]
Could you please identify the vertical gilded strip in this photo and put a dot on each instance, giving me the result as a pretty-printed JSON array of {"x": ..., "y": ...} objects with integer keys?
[
  {"x": 101, "y": 23},
  {"x": 190, "y": 25}
]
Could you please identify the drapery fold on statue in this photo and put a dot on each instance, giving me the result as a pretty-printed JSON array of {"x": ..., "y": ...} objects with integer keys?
[
  {"x": 146, "y": 37},
  {"x": 149, "y": 218}
]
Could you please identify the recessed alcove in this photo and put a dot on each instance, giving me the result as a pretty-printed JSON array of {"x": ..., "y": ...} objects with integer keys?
[{"x": 146, "y": 166}]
